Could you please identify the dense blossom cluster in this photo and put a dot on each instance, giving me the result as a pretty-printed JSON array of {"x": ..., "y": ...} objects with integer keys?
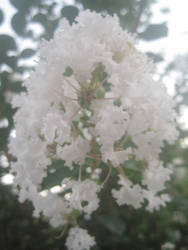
[{"x": 93, "y": 106}]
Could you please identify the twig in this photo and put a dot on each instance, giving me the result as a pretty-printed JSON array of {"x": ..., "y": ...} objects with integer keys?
[
  {"x": 75, "y": 113},
  {"x": 108, "y": 176},
  {"x": 93, "y": 157},
  {"x": 80, "y": 173},
  {"x": 109, "y": 98},
  {"x": 70, "y": 98},
  {"x": 120, "y": 170},
  {"x": 63, "y": 232},
  {"x": 77, "y": 90},
  {"x": 93, "y": 154},
  {"x": 123, "y": 141}
]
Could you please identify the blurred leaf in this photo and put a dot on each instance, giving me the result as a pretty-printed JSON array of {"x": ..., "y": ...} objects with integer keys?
[
  {"x": 19, "y": 230},
  {"x": 132, "y": 165},
  {"x": 19, "y": 23},
  {"x": 70, "y": 13},
  {"x": 112, "y": 223},
  {"x": 59, "y": 172},
  {"x": 4, "y": 132},
  {"x": 1, "y": 16},
  {"x": 68, "y": 71},
  {"x": 27, "y": 53},
  {"x": 155, "y": 57},
  {"x": 24, "y": 5},
  {"x": 110, "y": 6},
  {"x": 165, "y": 10},
  {"x": 22, "y": 69},
  {"x": 51, "y": 26},
  {"x": 18, "y": 3},
  {"x": 7, "y": 43},
  {"x": 16, "y": 87},
  {"x": 40, "y": 18},
  {"x": 155, "y": 31},
  {"x": 11, "y": 61}
]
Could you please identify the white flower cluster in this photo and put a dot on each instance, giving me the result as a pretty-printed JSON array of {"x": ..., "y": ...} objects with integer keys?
[
  {"x": 79, "y": 239},
  {"x": 93, "y": 106}
]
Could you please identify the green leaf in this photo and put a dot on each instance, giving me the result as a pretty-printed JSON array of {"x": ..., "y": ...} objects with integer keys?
[
  {"x": 100, "y": 93},
  {"x": 117, "y": 102},
  {"x": 62, "y": 107},
  {"x": 132, "y": 165},
  {"x": 76, "y": 130},
  {"x": 134, "y": 170},
  {"x": 99, "y": 74},
  {"x": 68, "y": 71},
  {"x": 155, "y": 31}
]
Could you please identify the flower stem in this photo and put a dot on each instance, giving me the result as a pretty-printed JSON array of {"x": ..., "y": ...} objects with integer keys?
[{"x": 108, "y": 176}]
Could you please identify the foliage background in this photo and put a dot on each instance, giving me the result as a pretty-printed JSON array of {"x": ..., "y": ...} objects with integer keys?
[{"x": 115, "y": 228}]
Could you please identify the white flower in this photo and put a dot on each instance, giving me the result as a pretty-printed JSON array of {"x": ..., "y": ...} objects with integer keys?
[
  {"x": 55, "y": 129},
  {"x": 75, "y": 152},
  {"x": 79, "y": 239},
  {"x": 155, "y": 201},
  {"x": 128, "y": 193},
  {"x": 117, "y": 157},
  {"x": 83, "y": 195},
  {"x": 92, "y": 104},
  {"x": 155, "y": 176},
  {"x": 168, "y": 246}
]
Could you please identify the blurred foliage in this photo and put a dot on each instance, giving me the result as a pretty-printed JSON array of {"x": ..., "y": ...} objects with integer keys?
[
  {"x": 70, "y": 13},
  {"x": 154, "y": 31},
  {"x": 19, "y": 230},
  {"x": 115, "y": 227}
]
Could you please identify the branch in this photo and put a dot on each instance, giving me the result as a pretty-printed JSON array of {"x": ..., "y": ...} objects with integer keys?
[{"x": 142, "y": 7}]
